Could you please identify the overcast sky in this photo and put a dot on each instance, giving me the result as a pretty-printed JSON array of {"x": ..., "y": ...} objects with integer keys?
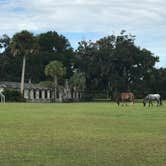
[{"x": 90, "y": 19}]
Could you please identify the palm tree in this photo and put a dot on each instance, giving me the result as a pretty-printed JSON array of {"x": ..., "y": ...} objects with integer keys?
[
  {"x": 77, "y": 82},
  {"x": 23, "y": 44},
  {"x": 56, "y": 70}
]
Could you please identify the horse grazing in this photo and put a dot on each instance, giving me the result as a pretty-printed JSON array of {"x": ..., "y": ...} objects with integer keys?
[
  {"x": 125, "y": 97},
  {"x": 152, "y": 97}
]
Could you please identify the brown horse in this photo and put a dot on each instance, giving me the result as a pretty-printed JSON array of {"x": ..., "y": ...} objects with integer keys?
[{"x": 125, "y": 97}]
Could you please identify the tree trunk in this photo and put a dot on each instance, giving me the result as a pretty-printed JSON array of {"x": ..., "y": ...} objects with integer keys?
[
  {"x": 23, "y": 75},
  {"x": 55, "y": 88}
]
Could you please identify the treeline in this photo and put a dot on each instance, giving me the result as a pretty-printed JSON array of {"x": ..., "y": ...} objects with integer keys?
[{"x": 111, "y": 64}]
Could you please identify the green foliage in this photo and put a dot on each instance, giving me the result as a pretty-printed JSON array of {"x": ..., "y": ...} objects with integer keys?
[
  {"x": 13, "y": 96},
  {"x": 53, "y": 42},
  {"x": 78, "y": 80},
  {"x": 95, "y": 96},
  {"x": 113, "y": 63},
  {"x": 55, "y": 69},
  {"x": 51, "y": 45},
  {"x": 23, "y": 44},
  {"x": 155, "y": 82}
]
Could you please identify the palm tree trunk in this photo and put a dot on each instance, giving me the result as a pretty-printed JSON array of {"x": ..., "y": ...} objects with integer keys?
[
  {"x": 55, "y": 88},
  {"x": 23, "y": 75}
]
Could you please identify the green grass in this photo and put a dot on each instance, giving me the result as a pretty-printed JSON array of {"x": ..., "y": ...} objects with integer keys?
[{"x": 85, "y": 134}]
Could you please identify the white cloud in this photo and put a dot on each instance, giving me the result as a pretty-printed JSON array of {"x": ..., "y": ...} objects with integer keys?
[
  {"x": 145, "y": 18},
  {"x": 82, "y": 15}
]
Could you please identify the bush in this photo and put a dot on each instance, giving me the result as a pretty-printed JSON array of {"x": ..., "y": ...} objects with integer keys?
[
  {"x": 13, "y": 96},
  {"x": 94, "y": 96}
]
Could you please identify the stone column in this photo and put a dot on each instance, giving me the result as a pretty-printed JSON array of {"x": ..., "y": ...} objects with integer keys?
[
  {"x": 48, "y": 94},
  {"x": 37, "y": 94},
  {"x": 74, "y": 94},
  {"x": 32, "y": 94},
  {"x": 69, "y": 94},
  {"x": 26, "y": 94},
  {"x": 77, "y": 96},
  {"x": 52, "y": 94},
  {"x": 60, "y": 96},
  {"x": 43, "y": 94}
]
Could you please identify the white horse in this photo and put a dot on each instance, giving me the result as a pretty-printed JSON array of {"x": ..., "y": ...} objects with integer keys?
[
  {"x": 152, "y": 97},
  {"x": 2, "y": 95}
]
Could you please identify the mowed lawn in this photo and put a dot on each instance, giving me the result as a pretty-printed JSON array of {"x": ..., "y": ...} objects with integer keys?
[{"x": 83, "y": 134}]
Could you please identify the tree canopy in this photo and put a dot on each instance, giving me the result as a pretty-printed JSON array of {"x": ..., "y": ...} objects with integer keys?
[
  {"x": 111, "y": 64},
  {"x": 114, "y": 63},
  {"x": 55, "y": 69}
]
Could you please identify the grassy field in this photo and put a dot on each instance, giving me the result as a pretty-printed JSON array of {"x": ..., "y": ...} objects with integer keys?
[{"x": 85, "y": 134}]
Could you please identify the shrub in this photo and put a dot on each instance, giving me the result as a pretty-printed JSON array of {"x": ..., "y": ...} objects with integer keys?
[{"x": 13, "y": 96}]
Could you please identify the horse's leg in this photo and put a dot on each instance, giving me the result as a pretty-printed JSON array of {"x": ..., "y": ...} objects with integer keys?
[
  {"x": 150, "y": 103},
  {"x": 125, "y": 103},
  {"x": 122, "y": 102},
  {"x": 118, "y": 103},
  {"x": 158, "y": 102}
]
